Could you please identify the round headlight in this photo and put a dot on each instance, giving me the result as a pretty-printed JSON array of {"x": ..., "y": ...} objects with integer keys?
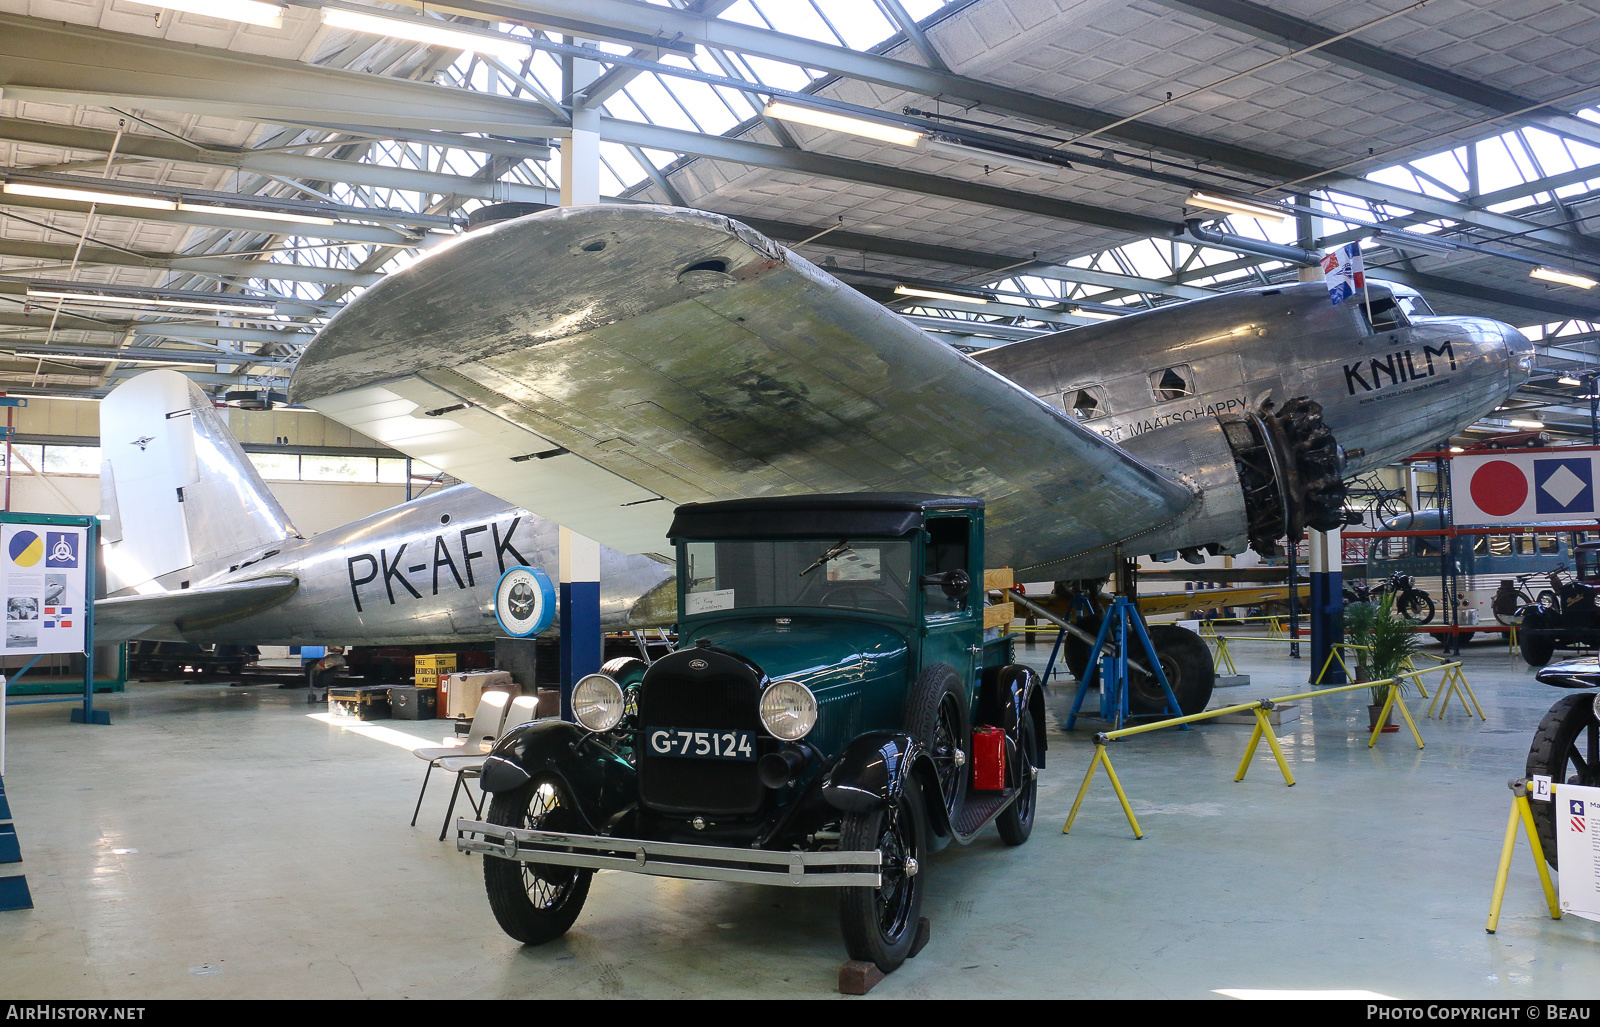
[
  {"x": 788, "y": 710},
  {"x": 597, "y": 702}
]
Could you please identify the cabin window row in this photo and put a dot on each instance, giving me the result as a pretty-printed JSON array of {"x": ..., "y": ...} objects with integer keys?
[{"x": 1166, "y": 385}]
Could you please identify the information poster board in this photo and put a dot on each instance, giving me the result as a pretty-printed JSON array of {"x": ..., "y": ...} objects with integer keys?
[
  {"x": 1578, "y": 849},
  {"x": 42, "y": 576}
]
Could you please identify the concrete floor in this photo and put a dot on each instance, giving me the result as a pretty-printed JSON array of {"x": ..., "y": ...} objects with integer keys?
[{"x": 219, "y": 842}]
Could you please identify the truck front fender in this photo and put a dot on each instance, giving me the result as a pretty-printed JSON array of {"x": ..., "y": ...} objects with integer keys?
[
  {"x": 873, "y": 770},
  {"x": 602, "y": 783}
]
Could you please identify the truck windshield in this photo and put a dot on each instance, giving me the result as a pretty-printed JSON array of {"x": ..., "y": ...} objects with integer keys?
[{"x": 872, "y": 575}]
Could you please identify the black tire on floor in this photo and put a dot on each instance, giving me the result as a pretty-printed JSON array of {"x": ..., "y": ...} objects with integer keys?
[
  {"x": 1185, "y": 660},
  {"x": 1076, "y": 650},
  {"x": 1566, "y": 748},
  {"x": 936, "y": 715},
  {"x": 880, "y": 924},
  {"x": 1537, "y": 646},
  {"x": 1016, "y": 820},
  {"x": 535, "y": 902}
]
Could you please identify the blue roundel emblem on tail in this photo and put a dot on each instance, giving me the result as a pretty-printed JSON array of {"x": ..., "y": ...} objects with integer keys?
[{"x": 524, "y": 601}]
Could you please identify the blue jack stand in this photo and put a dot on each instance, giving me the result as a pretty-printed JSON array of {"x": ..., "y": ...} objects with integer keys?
[
  {"x": 13, "y": 883},
  {"x": 1085, "y": 611},
  {"x": 1110, "y": 666}
]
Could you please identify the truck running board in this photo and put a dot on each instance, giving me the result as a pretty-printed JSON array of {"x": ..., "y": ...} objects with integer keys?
[{"x": 672, "y": 859}]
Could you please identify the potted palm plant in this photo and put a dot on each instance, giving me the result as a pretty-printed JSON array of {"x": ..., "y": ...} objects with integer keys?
[{"x": 1390, "y": 639}]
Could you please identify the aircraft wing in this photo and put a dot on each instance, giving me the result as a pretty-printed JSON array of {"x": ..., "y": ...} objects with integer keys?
[
  {"x": 600, "y": 365},
  {"x": 163, "y": 614}
]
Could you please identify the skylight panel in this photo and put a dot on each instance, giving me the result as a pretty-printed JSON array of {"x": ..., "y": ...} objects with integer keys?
[{"x": 861, "y": 24}]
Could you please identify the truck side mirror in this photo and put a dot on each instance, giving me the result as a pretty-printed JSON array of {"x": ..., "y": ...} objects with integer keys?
[{"x": 955, "y": 584}]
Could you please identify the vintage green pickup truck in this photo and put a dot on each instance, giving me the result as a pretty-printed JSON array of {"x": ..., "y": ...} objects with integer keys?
[{"x": 837, "y": 710}]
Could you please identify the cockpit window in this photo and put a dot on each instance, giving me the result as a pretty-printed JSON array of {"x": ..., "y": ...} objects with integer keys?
[
  {"x": 1085, "y": 404},
  {"x": 1415, "y": 306},
  {"x": 1385, "y": 314},
  {"x": 1172, "y": 383}
]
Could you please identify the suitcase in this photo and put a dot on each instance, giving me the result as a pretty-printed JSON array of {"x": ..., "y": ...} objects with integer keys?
[
  {"x": 413, "y": 703},
  {"x": 364, "y": 702}
]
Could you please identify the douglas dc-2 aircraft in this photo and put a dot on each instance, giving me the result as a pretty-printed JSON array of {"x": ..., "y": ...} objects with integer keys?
[
  {"x": 600, "y": 365},
  {"x": 197, "y": 549}
]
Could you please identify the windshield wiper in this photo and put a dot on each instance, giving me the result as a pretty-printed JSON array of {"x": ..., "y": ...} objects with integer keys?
[{"x": 838, "y": 550}]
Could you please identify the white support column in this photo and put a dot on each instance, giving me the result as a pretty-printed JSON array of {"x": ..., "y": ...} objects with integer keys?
[
  {"x": 580, "y": 152},
  {"x": 582, "y": 645}
]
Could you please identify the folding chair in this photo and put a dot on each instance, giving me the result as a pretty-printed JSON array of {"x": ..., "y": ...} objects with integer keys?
[
  {"x": 470, "y": 767},
  {"x": 480, "y": 737}
]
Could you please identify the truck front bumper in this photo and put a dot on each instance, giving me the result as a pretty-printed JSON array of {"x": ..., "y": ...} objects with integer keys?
[{"x": 672, "y": 859}]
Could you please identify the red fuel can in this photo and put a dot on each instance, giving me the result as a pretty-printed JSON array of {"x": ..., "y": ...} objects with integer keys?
[{"x": 988, "y": 759}]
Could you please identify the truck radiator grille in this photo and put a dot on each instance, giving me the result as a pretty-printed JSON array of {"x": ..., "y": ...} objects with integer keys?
[{"x": 673, "y": 784}]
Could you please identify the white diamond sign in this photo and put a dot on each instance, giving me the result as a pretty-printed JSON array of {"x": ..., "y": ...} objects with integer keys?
[{"x": 1563, "y": 486}]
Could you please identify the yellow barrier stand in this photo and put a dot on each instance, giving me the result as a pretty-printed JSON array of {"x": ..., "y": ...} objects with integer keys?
[
  {"x": 1274, "y": 628},
  {"x": 1220, "y": 655},
  {"x": 1264, "y": 728},
  {"x": 1389, "y": 701},
  {"x": 1454, "y": 683},
  {"x": 1099, "y": 758},
  {"x": 1333, "y": 654},
  {"x": 1515, "y": 648},
  {"x": 1521, "y": 812}
]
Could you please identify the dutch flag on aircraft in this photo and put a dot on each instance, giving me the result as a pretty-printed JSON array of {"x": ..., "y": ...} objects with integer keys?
[{"x": 1343, "y": 271}]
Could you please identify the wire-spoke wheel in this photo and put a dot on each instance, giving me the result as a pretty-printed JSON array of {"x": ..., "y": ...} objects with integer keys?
[
  {"x": 535, "y": 902},
  {"x": 880, "y": 924},
  {"x": 1566, "y": 748},
  {"x": 1016, "y": 820}
]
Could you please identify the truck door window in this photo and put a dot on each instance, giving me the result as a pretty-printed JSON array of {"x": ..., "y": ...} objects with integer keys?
[
  {"x": 1085, "y": 404},
  {"x": 1172, "y": 383},
  {"x": 946, "y": 551}
]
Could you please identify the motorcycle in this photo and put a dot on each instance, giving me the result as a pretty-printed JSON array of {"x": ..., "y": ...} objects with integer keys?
[{"x": 1410, "y": 601}]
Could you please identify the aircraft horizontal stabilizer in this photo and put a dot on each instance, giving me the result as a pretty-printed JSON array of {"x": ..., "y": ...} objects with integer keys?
[
  {"x": 164, "y": 615},
  {"x": 600, "y": 365}
]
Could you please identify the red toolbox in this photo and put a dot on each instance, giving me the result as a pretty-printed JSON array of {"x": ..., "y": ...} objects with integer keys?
[{"x": 988, "y": 759}]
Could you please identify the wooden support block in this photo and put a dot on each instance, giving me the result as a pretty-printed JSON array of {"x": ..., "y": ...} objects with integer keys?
[
  {"x": 1000, "y": 578},
  {"x": 857, "y": 977},
  {"x": 999, "y": 615}
]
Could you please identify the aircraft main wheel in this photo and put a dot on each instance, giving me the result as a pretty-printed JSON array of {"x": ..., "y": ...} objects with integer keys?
[
  {"x": 1566, "y": 748},
  {"x": 1185, "y": 660},
  {"x": 535, "y": 902},
  {"x": 936, "y": 716},
  {"x": 880, "y": 924},
  {"x": 1016, "y": 821},
  {"x": 1076, "y": 650}
]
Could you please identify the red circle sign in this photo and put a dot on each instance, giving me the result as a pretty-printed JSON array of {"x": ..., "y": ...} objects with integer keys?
[{"x": 1499, "y": 488}]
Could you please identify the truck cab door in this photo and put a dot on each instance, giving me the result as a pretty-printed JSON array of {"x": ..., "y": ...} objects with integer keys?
[{"x": 952, "y": 627}]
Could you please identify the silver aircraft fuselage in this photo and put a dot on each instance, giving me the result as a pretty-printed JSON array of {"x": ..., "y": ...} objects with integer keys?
[
  {"x": 1385, "y": 394},
  {"x": 422, "y": 573}
]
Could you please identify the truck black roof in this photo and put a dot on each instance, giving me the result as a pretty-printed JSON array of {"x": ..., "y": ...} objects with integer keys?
[{"x": 839, "y": 515}]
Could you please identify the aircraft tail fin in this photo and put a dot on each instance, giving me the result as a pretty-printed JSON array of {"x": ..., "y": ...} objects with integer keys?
[{"x": 176, "y": 490}]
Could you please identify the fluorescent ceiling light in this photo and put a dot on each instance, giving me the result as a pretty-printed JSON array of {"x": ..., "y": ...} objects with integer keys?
[
  {"x": 1098, "y": 315},
  {"x": 1568, "y": 380},
  {"x": 842, "y": 123},
  {"x": 1457, "y": 449},
  {"x": 1230, "y": 205},
  {"x": 250, "y": 212},
  {"x": 419, "y": 31},
  {"x": 56, "y": 192},
  {"x": 988, "y": 156},
  {"x": 1525, "y": 424},
  {"x": 1550, "y": 274},
  {"x": 249, "y": 11},
  {"x": 143, "y": 301},
  {"x": 80, "y": 358},
  {"x": 935, "y": 294},
  {"x": 1412, "y": 241}
]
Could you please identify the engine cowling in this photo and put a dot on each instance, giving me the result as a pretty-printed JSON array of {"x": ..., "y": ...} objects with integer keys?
[{"x": 1290, "y": 469}]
